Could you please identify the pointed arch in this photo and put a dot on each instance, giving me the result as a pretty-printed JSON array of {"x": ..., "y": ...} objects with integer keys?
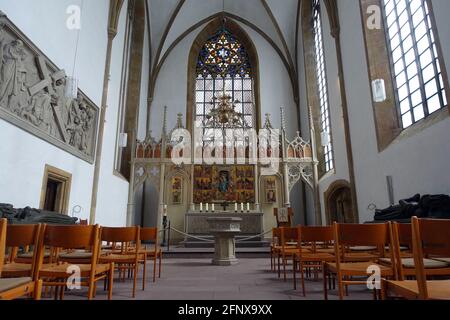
[{"x": 197, "y": 45}]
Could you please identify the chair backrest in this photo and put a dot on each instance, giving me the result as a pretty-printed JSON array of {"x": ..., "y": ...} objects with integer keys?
[
  {"x": 317, "y": 234},
  {"x": 23, "y": 236},
  {"x": 276, "y": 236},
  {"x": 431, "y": 238},
  {"x": 362, "y": 234},
  {"x": 292, "y": 234},
  {"x": 3, "y": 223},
  {"x": 371, "y": 235},
  {"x": 149, "y": 234},
  {"x": 404, "y": 231},
  {"x": 435, "y": 237},
  {"x": 70, "y": 237},
  {"x": 123, "y": 235}
]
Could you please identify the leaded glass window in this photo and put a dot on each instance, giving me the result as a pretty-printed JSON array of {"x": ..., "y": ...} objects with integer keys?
[
  {"x": 223, "y": 66},
  {"x": 322, "y": 87},
  {"x": 414, "y": 56}
]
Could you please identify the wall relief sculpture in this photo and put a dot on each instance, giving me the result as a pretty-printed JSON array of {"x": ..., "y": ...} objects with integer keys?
[{"x": 32, "y": 96}]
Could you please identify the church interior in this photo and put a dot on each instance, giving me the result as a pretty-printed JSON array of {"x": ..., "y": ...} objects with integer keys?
[{"x": 224, "y": 150}]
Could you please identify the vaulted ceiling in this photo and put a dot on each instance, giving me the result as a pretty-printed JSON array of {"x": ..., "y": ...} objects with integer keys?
[{"x": 275, "y": 20}]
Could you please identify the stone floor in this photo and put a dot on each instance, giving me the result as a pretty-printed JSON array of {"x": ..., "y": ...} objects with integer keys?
[{"x": 197, "y": 279}]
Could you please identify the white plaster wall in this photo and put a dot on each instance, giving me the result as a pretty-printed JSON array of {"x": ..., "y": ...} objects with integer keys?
[
  {"x": 23, "y": 156},
  {"x": 113, "y": 190},
  {"x": 418, "y": 164}
]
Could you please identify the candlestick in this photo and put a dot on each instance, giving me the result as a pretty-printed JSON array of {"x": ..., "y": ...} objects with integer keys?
[
  {"x": 242, "y": 207},
  {"x": 201, "y": 206},
  {"x": 235, "y": 207},
  {"x": 213, "y": 207},
  {"x": 207, "y": 207},
  {"x": 248, "y": 207}
]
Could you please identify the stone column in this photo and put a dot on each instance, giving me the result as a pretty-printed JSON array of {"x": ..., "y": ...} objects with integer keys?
[{"x": 114, "y": 13}]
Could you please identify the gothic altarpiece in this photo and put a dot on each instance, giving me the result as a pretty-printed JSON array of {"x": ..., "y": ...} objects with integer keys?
[{"x": 219, "y": 184}]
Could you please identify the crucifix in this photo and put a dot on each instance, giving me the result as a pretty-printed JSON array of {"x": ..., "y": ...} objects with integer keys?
[{"x": 225, "y": 205}]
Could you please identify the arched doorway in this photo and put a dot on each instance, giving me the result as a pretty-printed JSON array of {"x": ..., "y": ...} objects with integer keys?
[{"x": 338, "y": 203}]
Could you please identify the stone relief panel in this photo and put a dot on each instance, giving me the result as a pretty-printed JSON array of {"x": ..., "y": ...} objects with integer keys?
[{"x": 32, "y": 96}]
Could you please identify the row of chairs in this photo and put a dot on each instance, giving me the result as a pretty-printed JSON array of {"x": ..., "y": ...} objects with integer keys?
[
  {"x": 60, "y": 253},
  {"x": 404, "y": 256}
]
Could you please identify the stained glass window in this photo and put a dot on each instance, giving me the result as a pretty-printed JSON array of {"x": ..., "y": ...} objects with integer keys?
[
  {"x": 415, "y": 59},
  {"x": 223, "y": 66},
  {"x": 223, "y": 56},
  {"x": 322, "y": 87}
]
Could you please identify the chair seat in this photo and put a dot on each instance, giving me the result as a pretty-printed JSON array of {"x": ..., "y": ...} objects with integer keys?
[
  {"x": 363, "y": 248},
  {"x": 325, "y": 250},
  {"x": 358, "y": 268},
  {"x": 408, "y": 263},
  {"x": 150, "y": 251},
  {"x": 447, "y": 260},
  {"x": 15, "y": 270},
  {"x": 119, "y": 258},
  {"x": 326, "y": 257},
  {"x": 12, "y": 283},
  {"x": 29, "y": 255},
  {"x": 75, "y": 255},
  {"x": 437, "y": 290},
  {"x": 428, "y": 263},
  {"x": 60, "y": 270},
  {"x": 359, "y": 257}
]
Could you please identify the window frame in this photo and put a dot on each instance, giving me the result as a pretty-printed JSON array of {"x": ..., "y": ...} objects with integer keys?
[
  {"x": 437, "y": 61},
  {"x": 330, "y": 165}
]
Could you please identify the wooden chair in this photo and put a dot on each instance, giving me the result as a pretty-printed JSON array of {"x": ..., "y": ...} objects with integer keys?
[
  {"x": 291, "y": 245},
  {"x": 405, "y": 261},
  {"x": 127, "y": 259},
  {"x": 154, "y": 252},
  {"x": 312, "y": 259},
  {"x": 431, "y": 240},
  {"x": 13, "y": 288},
  {"x": 275, "y": 247},
  {"x": 361, "y": 235},
  {"x": 21, "y": 237},
  {"x": 74, "y": 238}
]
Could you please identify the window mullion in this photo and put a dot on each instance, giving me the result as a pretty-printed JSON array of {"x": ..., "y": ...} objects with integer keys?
[
  {"x": 419, "y": 65},
  {"x": 435, "y": 59}
]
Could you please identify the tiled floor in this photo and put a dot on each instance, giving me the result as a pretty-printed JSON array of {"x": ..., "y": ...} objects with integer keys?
[{"x": 197, "y": 279}]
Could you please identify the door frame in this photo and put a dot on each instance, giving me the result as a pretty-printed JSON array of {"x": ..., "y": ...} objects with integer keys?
[{"x": 63, "y": 196}]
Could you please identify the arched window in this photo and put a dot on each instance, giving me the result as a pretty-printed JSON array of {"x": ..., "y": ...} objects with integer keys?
[
  {"x": 414, "y": 56},
  {"x": 322, "y": 87},
  {"x": 223, "y": 67}
]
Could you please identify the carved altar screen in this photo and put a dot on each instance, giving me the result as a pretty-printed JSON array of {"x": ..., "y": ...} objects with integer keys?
[{"x": 224, "y": 183}]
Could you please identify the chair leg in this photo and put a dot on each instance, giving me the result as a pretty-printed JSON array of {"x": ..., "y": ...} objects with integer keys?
[
  {"x": 37, "y": 290},
  {"x": 110, "y": 281},
  {"x": 294, "y": 267},
  {"x": 302, "y": 274},
  {"x": 155, "y": 266},
  {"x": 341, "y": 287},
  {"x": 136, "y": 269},
  {"x": 144, "y": 272},
  {"x": 325, "y": 287},
  {"x": 279, "y": 267},
  {"x": 160, "y": 263}
]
